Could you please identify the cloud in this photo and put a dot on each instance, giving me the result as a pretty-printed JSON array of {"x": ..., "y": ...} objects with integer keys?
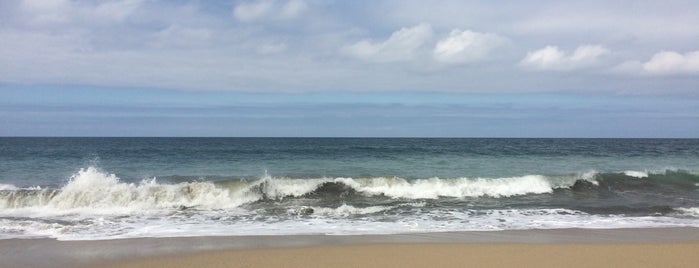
[
  {"x": 466, "y": 46},
  {"x": 410, "y": 43},
  {"x": 268, "y": 9},
  {"x": 310, "y": 45},
  {"x": 49, "y": 12},
  {"x": 251, "y": 11},
  {"x": 271, "y": 48},
  {"x": 644, "y": 20},
  {"x": 663, "y": 63},
  {"x": 402, "y": 45},
  {"x": 293, "y": 8},
  {"x": 552, "y": 58},
  {"x": 670, "y": 62},
  {"x": 181, "y": 37},
  {"x": 117, "y": 10}
]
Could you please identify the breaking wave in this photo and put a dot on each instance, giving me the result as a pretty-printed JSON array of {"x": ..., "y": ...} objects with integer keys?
[
  {"x": 95, "y": 192},
  {"x": 98, "y": 191},
  {"x": 7, "y": 187},
  {"x": 98, "y": 205},
  {"x": 636, "y": 174}
]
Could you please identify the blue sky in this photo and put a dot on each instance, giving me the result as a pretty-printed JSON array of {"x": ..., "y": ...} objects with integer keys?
[{"x": 349, "y": 68}]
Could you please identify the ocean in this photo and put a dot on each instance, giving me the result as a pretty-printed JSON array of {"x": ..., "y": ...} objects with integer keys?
[{"x": 111, "y": 188}]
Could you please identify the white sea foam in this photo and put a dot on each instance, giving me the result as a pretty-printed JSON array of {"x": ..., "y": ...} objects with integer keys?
[
  {"x": 280, "y": 188},
  {"x": 636, "y": 174},
  {"x": 346, "y": 210},
  {"x": 7, "y": 187},
  {"x": 462, "y": 187},
  {"x": 98, "y": 205},
  {"x": 283, "y": 187},
  {"x": 691, "y": 211},
  {"x": 26, "y": 228},
  {"x": 589, "y": 176},
  {"x": 95, "y": 192},
  {"x": 277, "y": 188},
  {"x": 327, "y": 221}
]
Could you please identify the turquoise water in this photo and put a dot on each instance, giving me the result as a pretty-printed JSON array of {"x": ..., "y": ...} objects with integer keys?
[{"x": 51, "y": 161}]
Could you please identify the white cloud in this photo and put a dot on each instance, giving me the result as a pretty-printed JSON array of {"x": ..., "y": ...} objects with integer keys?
[
  {"x": 402, "y": 45},
  {"x": 663, "y": 63},
  {"x": 269, "y": 9},
  {"x": 44, "y": 12},
  {"x": 670, "y": 62},
  {"x": 314, "y": 46},
  {"x": 50, "y": 12},
  {"x": 552, "y": 58},
  {"x": 181, "y": 37},
  {"x": 251, "y": 11},
  {"x": 465, "y": 46},
  {"x": 293, "y": 8},
  {"x": 549, "y": 57},
  {"x": 642, "y": 20},
  {"x": 117, "y": 10},
  {"x": 271, "y": 48},
  {"x": 588, "y": 54}
]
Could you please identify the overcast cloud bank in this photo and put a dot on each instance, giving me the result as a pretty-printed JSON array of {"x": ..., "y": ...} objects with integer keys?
[{"x": 310, "y": 45}]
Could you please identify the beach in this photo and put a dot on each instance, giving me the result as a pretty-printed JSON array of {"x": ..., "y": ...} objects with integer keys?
[
  {"x": 310, "y": 133},
  {"x": 647, "y": 247},
  {"x": 441, "y": 255}
]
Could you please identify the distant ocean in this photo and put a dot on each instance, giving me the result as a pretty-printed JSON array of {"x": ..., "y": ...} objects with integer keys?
[{"x": 108, "y": 188}]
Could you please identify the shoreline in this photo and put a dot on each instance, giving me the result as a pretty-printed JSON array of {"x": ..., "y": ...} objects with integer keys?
[{"x": 136, "y": 251}]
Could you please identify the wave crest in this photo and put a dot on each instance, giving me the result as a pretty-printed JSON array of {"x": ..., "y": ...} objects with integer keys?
[
  {"x": 462, "y": 187},
  {"x": 7, "y": 187},
  {"x": 103, "y": 193},
  {"x": 95, "y": 192}
]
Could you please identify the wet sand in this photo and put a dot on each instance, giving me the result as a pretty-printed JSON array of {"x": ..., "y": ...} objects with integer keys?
[
  {"x": 652, "y": 247},
  {"x": 440, "y": 255}
]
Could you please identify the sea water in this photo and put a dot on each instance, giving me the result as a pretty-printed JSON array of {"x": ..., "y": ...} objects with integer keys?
[{"x": 107, "y": 188}]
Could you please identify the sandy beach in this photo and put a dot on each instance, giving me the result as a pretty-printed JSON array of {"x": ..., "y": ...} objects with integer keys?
[
  {"x": 652, "y": 247},
  {"x": 440, "y": 255}
]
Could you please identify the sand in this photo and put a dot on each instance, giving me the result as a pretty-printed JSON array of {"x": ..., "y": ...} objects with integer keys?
[
  {"x": 441, "y": 255},
  {"x": 648, "y": 247}
]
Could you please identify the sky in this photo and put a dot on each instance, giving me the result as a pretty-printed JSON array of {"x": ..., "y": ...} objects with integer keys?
[{"x": 322, "y": 68}]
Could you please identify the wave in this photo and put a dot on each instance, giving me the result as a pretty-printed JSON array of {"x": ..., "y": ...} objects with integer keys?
[
  {"x": 636, "y": 174},
  {"x": 691, "y": 211},
  {"x": 7, "y": 187},
  {"x": 94, "y": 191},
  {"x": 94, "y": 204},
  {"x": 668, "y": 180},
  {"x": 343, "y": 211},
  {"x": 100, "y": 192}
]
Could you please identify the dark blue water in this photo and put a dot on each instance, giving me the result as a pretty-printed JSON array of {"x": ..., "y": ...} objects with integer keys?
[
  {"x": 51, "y": 161},
  {"x": 85, "y": 188}
]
